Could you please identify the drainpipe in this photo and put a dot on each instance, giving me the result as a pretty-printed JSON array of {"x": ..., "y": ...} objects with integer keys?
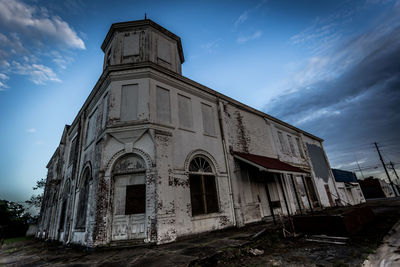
[{"x": 225, "y": 149}]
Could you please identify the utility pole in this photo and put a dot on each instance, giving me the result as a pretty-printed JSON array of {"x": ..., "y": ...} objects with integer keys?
[
  {"x": 384, "y": 166},
  {"x": 391, "y": 164}
]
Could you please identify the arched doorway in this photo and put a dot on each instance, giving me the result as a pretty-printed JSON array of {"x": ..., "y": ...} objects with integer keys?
[{"x": 129, "y": 198}]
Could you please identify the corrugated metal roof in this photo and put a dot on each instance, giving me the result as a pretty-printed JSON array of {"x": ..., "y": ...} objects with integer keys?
[
  {"x": 268, "y": 163},
  {"x": 344, "y": 176}
]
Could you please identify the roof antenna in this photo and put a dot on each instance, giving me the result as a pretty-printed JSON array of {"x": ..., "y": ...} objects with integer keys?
[{"x": 145, "y": 16}]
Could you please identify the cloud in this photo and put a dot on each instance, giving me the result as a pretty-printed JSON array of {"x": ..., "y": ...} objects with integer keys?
[
  {"x": 3, "y": 86},
  {"x": 211, "y": 47},
  {"x": 39, "y": 74},
  {"x": 31, "y": 42},
  {"x": 28, "y": 20},
  {"x": 245, "y": 39},
  {"x": 31, "y": 130},
  {"x": 349, "y": 95},
  {"x": 245, "y": 14},
  {"x": 62, "y": 61},
  {"x": 3, "y": 76}
]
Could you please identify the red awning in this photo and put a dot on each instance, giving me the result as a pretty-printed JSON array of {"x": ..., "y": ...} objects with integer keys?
[{"x": 266, "y": 163}]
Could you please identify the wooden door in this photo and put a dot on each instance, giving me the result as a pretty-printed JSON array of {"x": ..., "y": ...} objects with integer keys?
[{"x": 129, "y": 207}]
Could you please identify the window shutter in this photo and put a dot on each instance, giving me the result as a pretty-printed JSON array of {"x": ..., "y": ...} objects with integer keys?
[
  {"x": 211, "y": 194},
  {"x": 196, "y": 194}
]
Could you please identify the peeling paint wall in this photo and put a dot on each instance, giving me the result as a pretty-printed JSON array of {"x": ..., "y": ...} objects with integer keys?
[{"x": 191, "y": 122}]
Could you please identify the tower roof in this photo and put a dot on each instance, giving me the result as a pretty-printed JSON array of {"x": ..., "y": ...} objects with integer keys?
[{"x": 139, "y": 23}]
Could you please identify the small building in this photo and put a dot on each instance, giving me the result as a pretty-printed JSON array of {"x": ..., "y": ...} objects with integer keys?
[
  {"x": 349, "y": 189},
  {"x": 376, "y": 188},
  {"x": 153, "y": 156}
]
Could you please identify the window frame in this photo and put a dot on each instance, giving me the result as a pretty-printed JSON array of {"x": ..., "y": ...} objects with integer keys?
[
  {"x": 84, "y": 187},
  {"x": 159, "y": 120},
  {"x": 291, "y": 145},
  {"x": 205, "y": 192},
  {"x": 281, "y": 140},
  {"x": 208, "y": 108},
  {"x": 189, "y": 111}
]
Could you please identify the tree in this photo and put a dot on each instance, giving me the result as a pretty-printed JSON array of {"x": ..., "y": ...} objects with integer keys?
[
  {"x": 13, "y": 219},
  {"x": 36, "y": 200}
]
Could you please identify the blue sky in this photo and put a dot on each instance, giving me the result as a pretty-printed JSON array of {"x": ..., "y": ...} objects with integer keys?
[{"x": 329, "y": 67}]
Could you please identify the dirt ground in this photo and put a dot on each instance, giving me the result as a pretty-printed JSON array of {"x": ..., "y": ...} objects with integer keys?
[
  {"x": 224, "y": 248},
  {"x": 279, "y": 251}
]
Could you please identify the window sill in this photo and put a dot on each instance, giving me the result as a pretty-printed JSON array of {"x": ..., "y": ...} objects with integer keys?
[
  {"x": 210, "y": 135},
  {"x": 186, "y": 129},
  {"x": 206, "y": 216}
]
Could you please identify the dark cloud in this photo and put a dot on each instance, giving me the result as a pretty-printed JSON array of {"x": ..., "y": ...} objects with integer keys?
[{"x": 360, "y": 105}]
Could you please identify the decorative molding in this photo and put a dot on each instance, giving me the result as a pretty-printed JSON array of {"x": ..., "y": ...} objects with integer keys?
[
  {"x": 121, "y": 153},
  {"x": 205, "y": 154}
]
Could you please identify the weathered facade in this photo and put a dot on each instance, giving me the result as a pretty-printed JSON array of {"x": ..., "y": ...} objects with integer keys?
[
  {"x": 153, "y": 156},
  {"x": 349, "y": 189}
]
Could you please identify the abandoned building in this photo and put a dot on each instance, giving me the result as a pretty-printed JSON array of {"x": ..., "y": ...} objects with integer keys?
[
  {"x": 349, "y": 189},
  {"x": 376, "y": 188},
  {"x": 153, "y": 156}
]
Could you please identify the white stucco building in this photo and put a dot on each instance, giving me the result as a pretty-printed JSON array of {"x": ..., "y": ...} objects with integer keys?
[{"x": 153, "y": 156}]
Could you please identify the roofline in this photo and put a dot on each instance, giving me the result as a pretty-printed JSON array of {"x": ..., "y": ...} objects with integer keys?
[
  {"x": 262, "y": 168},
  {"x": 138, "y": 23},
  {"x": 148, "y": 64}
]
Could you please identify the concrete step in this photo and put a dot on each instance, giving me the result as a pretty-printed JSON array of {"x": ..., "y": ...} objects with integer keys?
[{"x": 127, "y": 243}]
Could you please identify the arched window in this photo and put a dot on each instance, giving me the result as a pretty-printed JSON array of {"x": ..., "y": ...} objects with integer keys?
[
  {"x": 83, "y": 199},
  {"x": 203, "y": 190},
  {"x": 64, "y": 199}
]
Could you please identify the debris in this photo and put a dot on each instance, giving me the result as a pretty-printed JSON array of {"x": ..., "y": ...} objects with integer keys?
[
  {"x": 258, "y": 233},
  {"x": 256, "y": 252},
  {"x": 338, "y": 240}
]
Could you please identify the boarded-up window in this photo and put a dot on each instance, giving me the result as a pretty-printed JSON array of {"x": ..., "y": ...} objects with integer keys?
[
  {"x": 91, "y": 131},
  {"x": 289, "y": 138},
  {"x": 73, "y": 152},
  {"x": 83, "y": 200},
  {"x": 282, "y": 142},
  {"x": 164, "y": 50},
  {"x": 135, "y": 201},
  {"x": 129, "y": 102},
  {"x": 185, "y": 112},
  {"x": 163, "y": 105},
  {"x": 105, "y": 108},
  {"x": 300, "y": 147},
  {"x": 203, "y": 190},
  {"x": 208, "y": 119},
  {"x": 131, "y": 45},
  {"x": 62, "y": 216}
]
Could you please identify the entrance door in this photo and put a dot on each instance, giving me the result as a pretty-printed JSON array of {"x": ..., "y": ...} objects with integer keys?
[
  {"x": 311, "y": 191},
  {"x": 302, "y": 191},
  {"x": 129, "y": 207}
]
